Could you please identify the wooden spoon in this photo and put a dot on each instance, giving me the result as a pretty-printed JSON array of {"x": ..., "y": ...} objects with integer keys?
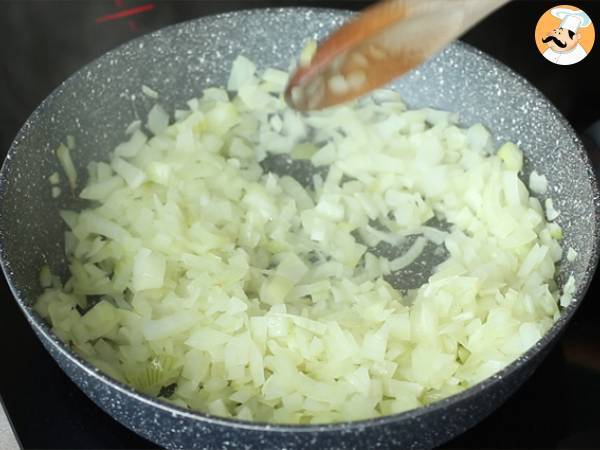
[{"x": 380, "y": 44}]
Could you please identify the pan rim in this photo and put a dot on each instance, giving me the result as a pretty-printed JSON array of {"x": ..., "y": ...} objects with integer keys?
[{"x": 42, "y": 328}]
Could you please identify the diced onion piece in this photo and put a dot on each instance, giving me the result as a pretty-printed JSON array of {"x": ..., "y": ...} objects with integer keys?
[
  {"x": 551, "y": 213},
  {"x": 54, "y": 178},
  {"x": 148, "y": 270},
  {"x": 568, "y": 291},
  {"x": 275, "y": 290},
  {"x": 480, "y": 138},
  {"x": 303, "y": 151},
  {"x": 278, "y": 78},
  {"x": 325, "y": 156},
  {"x": 149, "y": 92},
  {"x": 308, "y": 52},
  {"x": 512, "y": 157},
  {"x": 168, "y": 326},
  {"x": 133, "y": 126},
  {"x": 159, "y": 172},
  {"x": 292, "y": 267},
  {"x": 242, "y": 73},
  {"x": 158, "y": 120},
  {"x": 133, "y": 176},
  {"x": 571, "y": 254},
  {"x": 45, "y": 277},
  {"x": 555, "y": 231},
  {"x": 410, "y": 256},
  {"x": 217, "y": 94},
  {"x": 538, "y": 183},
  {"x": 64, "y": 157},
  {"x": 101, "y": 190},
  {"x": 131, "y": 148}
]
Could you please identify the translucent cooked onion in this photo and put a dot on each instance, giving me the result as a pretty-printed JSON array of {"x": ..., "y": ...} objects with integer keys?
[{"x": 197, "y": 276}]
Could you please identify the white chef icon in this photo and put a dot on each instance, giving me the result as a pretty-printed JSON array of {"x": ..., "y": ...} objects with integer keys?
[{"x": 563, "y": 42}]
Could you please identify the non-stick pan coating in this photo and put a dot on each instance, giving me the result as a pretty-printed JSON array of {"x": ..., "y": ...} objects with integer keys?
[{"x": 95, "y": 105}]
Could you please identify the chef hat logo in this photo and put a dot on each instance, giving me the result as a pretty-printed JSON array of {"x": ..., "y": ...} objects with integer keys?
[
  {"x": 571, "y": 19},
  {"x": 565, "y": 35}
]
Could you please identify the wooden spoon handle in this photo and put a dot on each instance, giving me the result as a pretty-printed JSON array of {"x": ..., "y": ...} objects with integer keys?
[{"x": 380, "y": 44}]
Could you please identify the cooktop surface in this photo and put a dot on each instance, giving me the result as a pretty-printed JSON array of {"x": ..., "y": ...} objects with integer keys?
[{"x": 45, "y": 41}]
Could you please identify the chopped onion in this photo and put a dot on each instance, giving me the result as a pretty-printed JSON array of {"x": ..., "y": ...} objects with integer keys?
[
  {"x": 149, "y": 92},
  {"x": 571, "y": 254},
  {"x": 131, "y": 148},
  {"x": 512, "y": 157},
  {"x": 568, "y": 292},
  {"x": 158, "y": 119},
  {"x": 242, "y": 73},
  {"x": 551, "y": 213},
  {"x": 308, "y": 52},
  {"x": 410, "y": 256},
  {"x": 64, "y": 158},
  {"x": 259, "y": 296},
  {"x": 133, "y": 126},
  {"x": 148, "y": 270},
  {"x": 538, "y": 183},
  {"x": 54, "y": 178},
  {"x": 131, "y": 174},
  {"x": 45, "y": 277}
]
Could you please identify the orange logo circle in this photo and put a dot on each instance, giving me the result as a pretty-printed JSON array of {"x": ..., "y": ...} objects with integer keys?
[{"x": 565, "y": 35}]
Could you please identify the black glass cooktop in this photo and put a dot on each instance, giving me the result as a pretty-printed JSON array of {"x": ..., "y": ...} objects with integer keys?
[{"x": 44, "y": 41}]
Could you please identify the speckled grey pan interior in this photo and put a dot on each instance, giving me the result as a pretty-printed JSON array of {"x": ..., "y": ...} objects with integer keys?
[{"x": 96, "y": 103}]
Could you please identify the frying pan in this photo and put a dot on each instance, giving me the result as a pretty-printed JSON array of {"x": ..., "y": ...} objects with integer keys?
[{"x": 97, "y": 102}]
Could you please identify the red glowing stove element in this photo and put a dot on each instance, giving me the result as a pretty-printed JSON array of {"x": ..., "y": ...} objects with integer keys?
[{"x": 126, "y": 12}]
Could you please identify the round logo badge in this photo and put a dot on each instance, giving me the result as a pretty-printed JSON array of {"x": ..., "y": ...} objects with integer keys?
[{"x": 565, "y": 35}]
